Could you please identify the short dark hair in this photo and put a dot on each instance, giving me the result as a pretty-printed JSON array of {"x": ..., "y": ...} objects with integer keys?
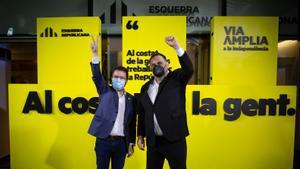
[
  {"x": 120, "y": 68},
  {"x": 158, "y": 54}
]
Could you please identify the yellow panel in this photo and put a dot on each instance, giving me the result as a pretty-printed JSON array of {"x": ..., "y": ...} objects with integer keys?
[
  {"x": 249, "y": 142},
  {"x": 59, "y": 140},
  {"x": 141, "y": 36},
  {"x": 63, "y": 58},
  {"x": 244, "y": 50},
  {"x": 55, "y": 140},
  {"x": 138, "y": 42}
]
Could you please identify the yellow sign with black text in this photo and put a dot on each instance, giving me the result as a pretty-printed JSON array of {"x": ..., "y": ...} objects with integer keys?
[
  {"x": 49, "y": 120},
  {"x": 143, "y": 36},
  {"x": 241, "y": 121},
  {"x": 234, "y": 127},
  {"x": 244, "y": 50}
]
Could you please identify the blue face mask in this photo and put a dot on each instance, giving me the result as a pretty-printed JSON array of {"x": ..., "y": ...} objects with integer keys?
[{"x": 118, "y": 83}]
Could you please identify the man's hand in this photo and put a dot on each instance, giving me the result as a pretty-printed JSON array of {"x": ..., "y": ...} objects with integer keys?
[
  {"x": 172, "y": 41},
  {"x": 130, "y": 150},
  {"x": 141, "y": 143},
  {"x": 94, "y": 45}
]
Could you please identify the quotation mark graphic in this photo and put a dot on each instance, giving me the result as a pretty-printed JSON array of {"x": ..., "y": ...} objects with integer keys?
[{"x": 133, "y": 26}]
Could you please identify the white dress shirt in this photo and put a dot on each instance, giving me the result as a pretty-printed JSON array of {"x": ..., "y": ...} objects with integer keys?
[
  {"x": 118, "y": 128},
  {"x": 152, "y": 92}
]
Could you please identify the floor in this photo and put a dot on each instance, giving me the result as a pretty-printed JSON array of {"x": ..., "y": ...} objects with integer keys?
[{"x": 5, "y": 161}]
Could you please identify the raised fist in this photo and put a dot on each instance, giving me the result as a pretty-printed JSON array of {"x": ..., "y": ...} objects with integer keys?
[{"x": 172, "y": 41}]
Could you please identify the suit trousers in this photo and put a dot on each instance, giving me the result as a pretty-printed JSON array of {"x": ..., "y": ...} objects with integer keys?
[
  {"x": 174, "y": 152},
  {"x": 110, "y": 150}
]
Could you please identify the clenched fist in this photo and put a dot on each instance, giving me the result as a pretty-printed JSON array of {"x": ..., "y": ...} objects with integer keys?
[{"x": 172, "y": 41}]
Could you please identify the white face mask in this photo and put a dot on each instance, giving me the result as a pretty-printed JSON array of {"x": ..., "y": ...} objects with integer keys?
[{"x": 118, "y": 83}]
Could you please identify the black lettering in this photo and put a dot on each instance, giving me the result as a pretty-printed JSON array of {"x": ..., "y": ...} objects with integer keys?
[
  {"x": 48, "y": 100},
  {"x": 208, "y": 105},
  {"x": 264, "y": 40},
  {"x": 62, "y": 105},
  {"x": 245, "y": 39},
  {"x": 291, "y": 111},
  {"x": 252, "y": 42},
  {"x": 151, "y": 9},
  {"x": 228, "y": 29},
  {"x": 227, "y": 40},
  {"x": 249, "y": 107},
  {"x": 130, "y": 53},
  {"x": 196, "y": 10},
  {"x": 236, "y": 39},
  {"x": 33, "y": 102},
  {"x": 93, "y": 102},
  {"x": 283, "y": 101},
  {"x": 263, "y": 104},
  {"x": 128, "y": 25},
  {"x": 232, "y": 108},
  {"x": 196, "y": 102},
  {"x": 240, "y": 31},
  {"x": 134, "y": 26},
  {"x": 80, "y": 105}
]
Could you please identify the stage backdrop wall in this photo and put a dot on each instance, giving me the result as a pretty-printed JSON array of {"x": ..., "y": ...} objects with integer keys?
[
  {"x": 49, "y": 120},
  {"x": 242, "y": 120}
]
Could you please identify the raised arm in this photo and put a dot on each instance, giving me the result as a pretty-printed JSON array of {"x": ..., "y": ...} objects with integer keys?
[
  {"x": 186, "y": 71},
  {"x": 97, "y": 77}
]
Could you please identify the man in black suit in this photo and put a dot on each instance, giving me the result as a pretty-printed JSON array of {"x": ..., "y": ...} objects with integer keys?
[{"x": 162, "y": 117}]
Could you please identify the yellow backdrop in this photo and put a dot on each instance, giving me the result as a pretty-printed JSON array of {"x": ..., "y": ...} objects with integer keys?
[{"x": 249, "y": 141}]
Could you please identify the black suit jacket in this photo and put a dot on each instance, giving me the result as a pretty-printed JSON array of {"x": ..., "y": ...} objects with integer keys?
[{"x": 169, "y": 105}]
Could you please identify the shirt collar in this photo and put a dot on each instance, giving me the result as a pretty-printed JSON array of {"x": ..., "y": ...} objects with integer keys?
[{"x": 122, "y": 95}]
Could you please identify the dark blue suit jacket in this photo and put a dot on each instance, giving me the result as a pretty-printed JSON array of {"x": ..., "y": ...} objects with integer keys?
[{"x": 107, "y": 110}]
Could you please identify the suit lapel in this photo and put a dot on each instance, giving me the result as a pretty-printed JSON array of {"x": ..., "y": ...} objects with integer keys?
[
  {"x": 116, "y": 99},
  {"x": 127, "y": 103},
  {"x": 162, "y": 85},
  {"x": 145, "y": 92}
]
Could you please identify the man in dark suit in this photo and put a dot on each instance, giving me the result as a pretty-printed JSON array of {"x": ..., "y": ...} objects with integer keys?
[
  {"x": 114, "y": 123},
  {"x": 162, "y": 117}
]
